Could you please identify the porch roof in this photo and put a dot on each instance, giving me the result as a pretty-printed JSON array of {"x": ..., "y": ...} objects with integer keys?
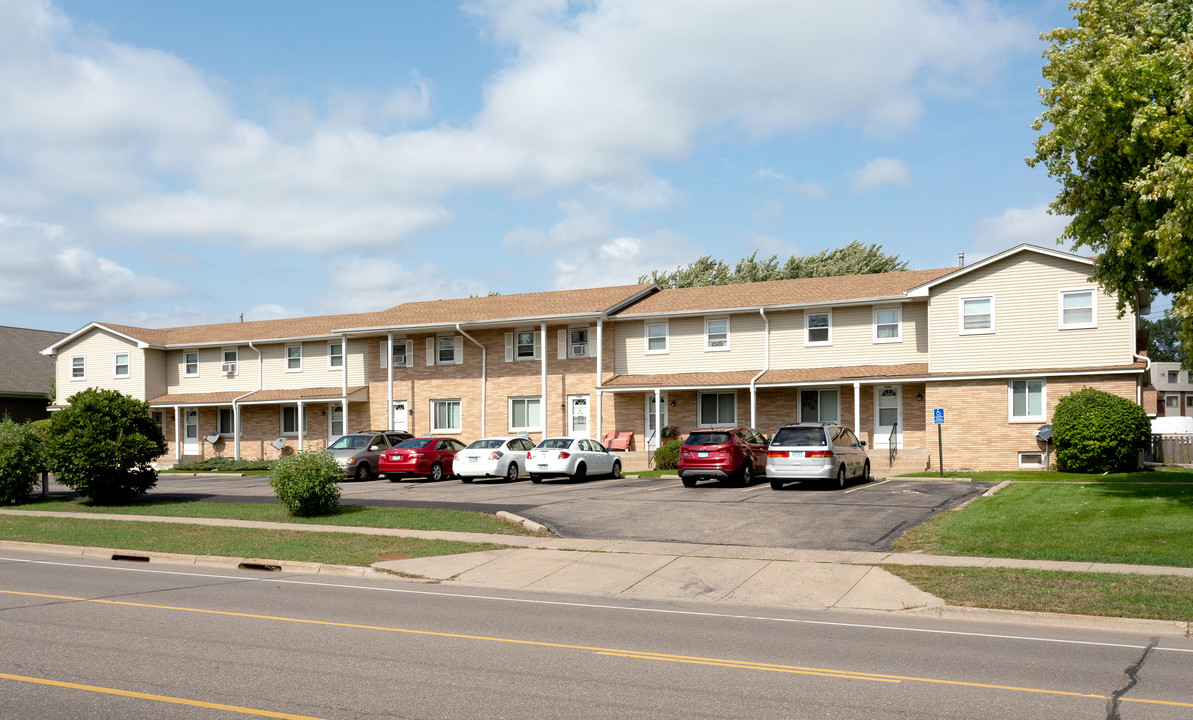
[{"x": 355, "y": 394}]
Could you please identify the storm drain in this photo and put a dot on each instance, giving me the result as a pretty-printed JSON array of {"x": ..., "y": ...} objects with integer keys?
[
  {"x": 130, "y": 558},
  {"x": 263, "y": 567}
]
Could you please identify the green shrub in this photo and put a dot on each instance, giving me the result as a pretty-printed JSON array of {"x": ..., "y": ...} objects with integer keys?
[
  {"x": 21, "y": 460},
  {"x": 667, "y": 456},
  {"x": 307, "y": 483},
  {"x": 223, "y": 464},
  {"x": 1096, "y": 432},
  {"x": 102, "y": 445}
]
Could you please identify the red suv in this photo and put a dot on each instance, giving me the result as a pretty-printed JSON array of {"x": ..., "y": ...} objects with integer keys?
[
  {"x": 428, "y": 457},
  {"x": 722, "y": 454}
]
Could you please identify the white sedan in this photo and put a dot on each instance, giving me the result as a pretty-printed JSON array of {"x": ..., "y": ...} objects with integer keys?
[
  {"x": 572, "y": 457},
  {"x": 493, "y": 457}
]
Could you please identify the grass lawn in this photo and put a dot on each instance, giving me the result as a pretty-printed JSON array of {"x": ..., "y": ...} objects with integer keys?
[
  {"x": 352, "y": 515},
  {"x": 1172, "y": 474},
  {"x": 655, "y": 473},
  {"x": 1157, "y": 597},
  {"x": 1143, "y": 523},
  {"x": 323, "y": 547}
]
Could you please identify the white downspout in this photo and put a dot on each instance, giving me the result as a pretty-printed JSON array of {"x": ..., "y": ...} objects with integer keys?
[
  {"x": 344, "y": 381},
  {"x": 236, "y": 405},
  {"x": 389, "y": 363},
  {"x": 484, "y": 371},
  {"x": 1139, "y": 381},
  {"x": 543, "y": 396},
  {"x": 658, "y": 421},
  {"x": 857, "y": 408},
  {"x": 177, "y": 435},
  {"x": 600, "y": 374},
  {"x": 765, "y": 367}
]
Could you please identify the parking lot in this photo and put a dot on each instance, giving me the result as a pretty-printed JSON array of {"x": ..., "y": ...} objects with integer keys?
[{"x": 860, "y": 517}]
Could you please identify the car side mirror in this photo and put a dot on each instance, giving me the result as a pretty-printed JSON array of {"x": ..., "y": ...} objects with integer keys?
[
  {"x": 374, "y": 448},
  {"x": 863, "y": 443}
]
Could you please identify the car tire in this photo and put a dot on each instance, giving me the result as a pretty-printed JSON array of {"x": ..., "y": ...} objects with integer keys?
[
  {"x": 536, "y": 479},
  {"x": 362, "y": 472},
  {"x": 511, "y": 472},
  {"x": 746, "y": 475},
  {"x": 394, "y": 478},
  {"x": 436, "y": 472},
  {"x": 465, "y": 479},
  {"x": 841, "y": 477},
  {"x": 776, "y": 484},
  {"x": 689, "y": 481},
  {"x": 616, "y": 470},
  {"x": 581, "y": 473},
  {"x": 866, "y": 472}
]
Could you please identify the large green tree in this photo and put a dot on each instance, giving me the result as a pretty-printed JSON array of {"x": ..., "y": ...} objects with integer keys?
[
  {"x": 851, "y": 259},
  {"x": 1163, "y": 339},
  {"x": 1120, "y": 126}
]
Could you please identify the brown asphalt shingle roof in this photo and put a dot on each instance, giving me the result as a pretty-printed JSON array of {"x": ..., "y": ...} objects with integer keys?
[
  {"x": 226, "y": 398},
  {"x": 23, "y": 369},
  {"x": 784, "y": 292}
]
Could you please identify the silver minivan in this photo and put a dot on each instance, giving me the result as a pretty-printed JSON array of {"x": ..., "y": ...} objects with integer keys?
[
  {"x": 357, "y": 454},
  {"x": 827, "y": 452}
]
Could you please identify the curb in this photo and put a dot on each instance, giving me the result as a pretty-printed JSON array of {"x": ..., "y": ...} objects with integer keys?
[
  {"x": 530, "y": 525},
  {"x": 1163, "y": 628}
]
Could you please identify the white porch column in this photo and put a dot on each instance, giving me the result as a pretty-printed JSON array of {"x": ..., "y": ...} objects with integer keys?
[
  {"x": 301, "y": 421},
  {"x": 658, "y": 418},
  {"x": 236, "y": 431},
  {"x": 857, "y": 408},
  {"x": 177, "y": 435},
  {"x": 389, "y": 384},
  {"x": 543, "y": 357}
]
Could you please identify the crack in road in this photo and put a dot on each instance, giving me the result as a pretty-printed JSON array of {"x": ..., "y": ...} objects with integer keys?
[{"x": 1133, "y": 679}]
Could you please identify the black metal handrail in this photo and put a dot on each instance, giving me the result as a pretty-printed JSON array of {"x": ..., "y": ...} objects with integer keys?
[{"x": 892, "y": 445}]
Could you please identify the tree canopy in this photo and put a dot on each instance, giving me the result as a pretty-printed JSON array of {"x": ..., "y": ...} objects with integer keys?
[
  {"x": 1163, "y": 339},
  {"x": 852, "y": 259},
  {"x": 1120, "y": 118}
]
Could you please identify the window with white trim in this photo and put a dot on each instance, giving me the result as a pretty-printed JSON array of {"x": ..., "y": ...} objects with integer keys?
[
  {"x": 977, "y": 315},
  {"x": 1032, "y": 459},
  {"x": 445, "y": 416},
  {"x": 525, "y": 413},
  {"x": 1077, "y": 309},
  {"x": 226, "y": 419},
  {"x": 445, "y": 349},
  {"x": 888, "y": 324},
  {"x": 819, "y": 405},
  {"x": 190, "y": 364},
  {"x": 294, "y": 358},
  {"x": 78, "y": 367},
  {"x": 716, "y": 334},
  {"x": 1026, "y": 399},
  {"x": 578, "y": 345},
  {"x": 399, "y": 359},
  {"x": 231, "y": 362},
  {"x": 120, "y": 362},
  {"x": 335, "y": 355},
  {"x": 656, "y": 337},
  {"x": 525, "y": 345},
  {"x": 818, "y": 328},
  {"x": 717, "y": 409},
  {"x": 290, "y": 420}
]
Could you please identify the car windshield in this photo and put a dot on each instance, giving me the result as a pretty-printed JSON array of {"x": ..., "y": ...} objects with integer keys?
[
  {"x": 707, "y": 438},
  {"x": 485, "y": 445},
  {"x": 799, "y": 436},
  {"x": 555, "y": 444},
  {"x": 351, "y": 442},
  {"x": 416, "y": 443}
]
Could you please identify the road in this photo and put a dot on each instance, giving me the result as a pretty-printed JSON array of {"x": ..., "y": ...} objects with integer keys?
[{"x": 80, "y": 635}]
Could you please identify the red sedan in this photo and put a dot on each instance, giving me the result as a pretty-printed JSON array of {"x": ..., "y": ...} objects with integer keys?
[{"x": 427, "y": 457}]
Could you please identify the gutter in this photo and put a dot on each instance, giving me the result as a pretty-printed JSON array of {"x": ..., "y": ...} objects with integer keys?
[
  {"x": 765, "y": 367},
  {"x": 484, "y": 372},
  {"x": 236, "y": 404}
]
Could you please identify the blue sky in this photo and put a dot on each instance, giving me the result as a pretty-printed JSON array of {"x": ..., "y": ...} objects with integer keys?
[{"x": 167, "y": 164}]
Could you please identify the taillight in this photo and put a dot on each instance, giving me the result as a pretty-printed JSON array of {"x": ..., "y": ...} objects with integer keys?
[
  {"x": 778, "y": 454},
  {"x": 496, "y": 455},
  {"x": 564, "y": 455},
  {"x": 528, "y": 455},
  {"x": 819, "y": 454}
]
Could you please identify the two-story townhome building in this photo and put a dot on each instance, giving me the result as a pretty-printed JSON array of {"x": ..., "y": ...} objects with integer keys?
[
  {"x": 994, "y": 345},
  {"x": 1173, "y": 395}
]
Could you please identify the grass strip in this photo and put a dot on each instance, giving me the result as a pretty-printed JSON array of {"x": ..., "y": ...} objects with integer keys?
[
  {"x": 296, "y": 545},
  {"x": 349, "y": 515},
  {"x": 1159, "y": 475},
  {"x": 1138, "y": 524},
  {"x": 1155, "y": 597}
]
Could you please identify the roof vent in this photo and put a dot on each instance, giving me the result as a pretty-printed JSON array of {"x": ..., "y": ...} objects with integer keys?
[{"x": 961, "y": 259}]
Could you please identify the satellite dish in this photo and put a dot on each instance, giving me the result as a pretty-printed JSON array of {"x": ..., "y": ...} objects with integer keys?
[
  {"x": 279, "y": 443},
  {"x": 213, "y": 438},
  {"x": 1044, "y": 433}
]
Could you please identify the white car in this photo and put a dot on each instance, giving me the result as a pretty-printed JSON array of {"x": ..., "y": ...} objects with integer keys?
[
  {"x": 827, "y": 452},
  {"x": 572, "y": 457},
  {"x": 493, "y": 457}
]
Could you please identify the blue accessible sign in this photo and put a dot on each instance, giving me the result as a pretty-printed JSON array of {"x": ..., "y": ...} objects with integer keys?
[{"x": 938, "y": 416}]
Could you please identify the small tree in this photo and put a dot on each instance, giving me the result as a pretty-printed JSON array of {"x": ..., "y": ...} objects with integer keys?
[
  {"x": 307, "y": 483},
  {"x": 21, "y": 460},
  {"x": 1097, "y": 432},
  {"x": 102, "y": 444}
]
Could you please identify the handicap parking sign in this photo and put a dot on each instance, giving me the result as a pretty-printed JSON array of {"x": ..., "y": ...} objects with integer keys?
[{"x": 938, "y": 416}]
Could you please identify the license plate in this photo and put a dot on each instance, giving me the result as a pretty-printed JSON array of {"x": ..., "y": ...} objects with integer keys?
[
  {"x": 542, "y": 466},
  {"x": 701, "y": 454},
  {"x": 472, "y": 459},
  {"x": 797, "y": 453}
]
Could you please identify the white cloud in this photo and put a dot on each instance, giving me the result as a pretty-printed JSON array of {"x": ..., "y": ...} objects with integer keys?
[
  {"x": 881, "y": 171},
  {"x": 621, "y": 260},
  {"x": 770, "y": 175},
  {"x": 1015, "y": 226},
  {"x": 355, "y": 284}
]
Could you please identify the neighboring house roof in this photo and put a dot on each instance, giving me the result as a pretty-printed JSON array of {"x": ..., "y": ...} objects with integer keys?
[
  {"x": 783, "y": 293},
  {"x": 23, "y": 370}
]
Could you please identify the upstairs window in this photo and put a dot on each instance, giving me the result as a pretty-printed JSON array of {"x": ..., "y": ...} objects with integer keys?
[
  {"x": 294, "y": 358},
  {"x": 977, "y": 315},
  {"x": 121, "y": 365},
  {"x": 716, "y": 334},
  {"x": 888, "y": 325},
  {"x": 231, "y": 363},
  {"x": 446, "y": 350},
  {"x": 525, "y": 345},
  {"x": 1174, "y": 376},
  {"x": 656, "y": 337},
  {"x": 1077, "y": 309},
  {"x": 578, "y": 345},
  {"x": 399, "y": 353},
  {"x": 190, "y": 364},
  {"x": 335, "y": 355},
  {"x": 818, "y": 328},
  {"x": 78, "y": 367}
]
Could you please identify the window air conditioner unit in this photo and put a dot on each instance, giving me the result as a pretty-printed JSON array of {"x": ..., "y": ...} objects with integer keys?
[
  {"x": 228, "y": 368},
  {"x": 579, "y": 350}
]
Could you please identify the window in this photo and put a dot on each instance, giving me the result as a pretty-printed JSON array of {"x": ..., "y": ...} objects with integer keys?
[
  {"x": 578, "y": 347},
  {"x": 888, "y": 325},
  {"x": 819, "y": 406},
  {"x": 524, "y": 345},
  {"x": 656, "y": 337},
  {"x": 446, "y": 354},
  {"x": 294, "y": 358},
  {"x": 399, "y": 353},
  {"x": 1172, "y": 401},
  {"x": 977, "y": 315},
  {"x": 231, "y": 364},
  {"x": 1031, "y": 460},
  {"x": 1027, "y": 399},
  {"x": 1077, "y": 309},
  {"x": 190, "y": 364},
  {"x": 78, "y": 367},
  {"x": 716, "y": 334},
  {"x": 121, "y": 365},
  {"x": 1189, "y": 401},
  {"x": 335, "y": 355},
  {"x": 818, "y": 328},
  {"x": 525, "y": 414},
  {"x": 1174, "y": 377},
  {"x": 445, "y": 416},
  {"x": 290, "y": 420},
  {"x": 227, "y": 418},
  {"x": 718, "y": 409}
]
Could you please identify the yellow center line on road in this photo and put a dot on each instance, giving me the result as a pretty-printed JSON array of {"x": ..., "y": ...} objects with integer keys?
[
  {"x": 614, "y": 652},
  {"x": 869, "y": 485},
  {"x": 158, "y": 698}
]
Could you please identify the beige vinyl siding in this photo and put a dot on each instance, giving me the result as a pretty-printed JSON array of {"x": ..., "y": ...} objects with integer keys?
[
  {"x": 315, "y": 368},
  {"x": 155, "y": 373},
  {"x": 852, "y": 339},
  {"x": 210, "y": 378},
  {"x": 1026, "y": 318},
  {"x": 685, "y": 344},
  {"x": 99, "y": 348}
]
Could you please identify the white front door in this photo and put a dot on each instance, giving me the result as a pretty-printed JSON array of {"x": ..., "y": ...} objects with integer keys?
[
  {"x": 652, "y": 431},
  {"x": 335, "y": 422},
  {"x": 190, "y": 432},
  {"x": 888, "y": 415},
  {"x": 400, "y": 415},
  {"x": 578, "y": 416}
]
